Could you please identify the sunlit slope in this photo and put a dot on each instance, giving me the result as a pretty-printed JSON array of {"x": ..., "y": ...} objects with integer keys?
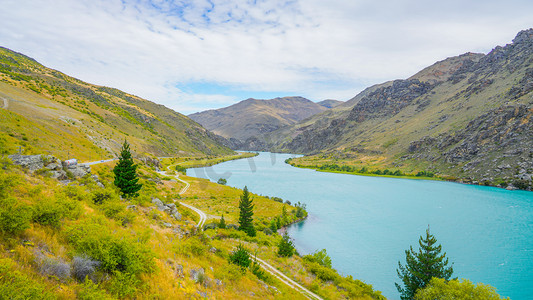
[{"x": 46, "y": 110}]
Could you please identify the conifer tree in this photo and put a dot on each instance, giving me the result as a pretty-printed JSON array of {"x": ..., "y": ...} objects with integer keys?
[
  {"x": 222, "y": 223},
  {"x": 285, "y": 246},
  {"x": 421, "y": 266},
  {"x": 126, "y": 173},
  {"x": 246, "y": 213}
]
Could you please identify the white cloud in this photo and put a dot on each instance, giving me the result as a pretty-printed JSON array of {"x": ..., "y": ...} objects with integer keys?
[{"x": 308, "y": 47}]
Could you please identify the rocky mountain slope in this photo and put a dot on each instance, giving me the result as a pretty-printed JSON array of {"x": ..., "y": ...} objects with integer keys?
[
  {"x": 46, "y": 111},
  {"x": 252, "y": 117},
  {"x": 467, "y": 117}
]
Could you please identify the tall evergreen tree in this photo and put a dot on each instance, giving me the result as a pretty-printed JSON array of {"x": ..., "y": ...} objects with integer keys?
[
  {"x": 126, "y": 173},
  {"x": 246, "y": 213},
  {"x": 421, "y": 266}
]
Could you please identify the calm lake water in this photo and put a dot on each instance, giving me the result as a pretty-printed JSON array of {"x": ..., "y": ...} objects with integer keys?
[{"x": 366, "y": 223}]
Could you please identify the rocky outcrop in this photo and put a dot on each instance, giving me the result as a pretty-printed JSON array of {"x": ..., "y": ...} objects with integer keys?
[
  {"x": 317, "y": 138},
  {"x": 390, "y": 100},
  {"x": 31, "y": 162},
  {"x": 496, "y": 145},
  {"x": 50, "y": 166},
  {"x": 169, "y": 208}
]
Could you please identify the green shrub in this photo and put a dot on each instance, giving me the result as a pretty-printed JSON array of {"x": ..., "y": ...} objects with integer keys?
[
  {"x": 115, "y": 251},
  {"x": 240, "y": 257},
  {"x": 117, "y": 211},
  {"x": 181, "y": 169},
  {"x": 454, "y": 289},
  {"x": 14, "y": 216},
  {"x": 124, "y": 285},
  {"x": 76, "y": 192},
  {"x": 7, "y": 181},
  {"x": 192, "y": 246},
  {"x": 51, "y": 211},
  {"x": 321, "y": 257},
  {"x": 521, "y": 184},
  {"x": 321, "y": 272},
  {"x": 101, "y": 196},
  {"x": 90, "y": 291},
  {"x": 113, "y": 209},
  {"x": 17, "y": 285}
]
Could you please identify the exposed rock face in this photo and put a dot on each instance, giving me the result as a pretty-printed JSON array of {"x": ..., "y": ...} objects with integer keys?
[
  {"x": 498, "y": 144},
  {"x": 52, "y": 166},
  {"x": 470, "y": 114},
  {"x": 31, "y": 162},
  {"x": 310, "y": 141},
  {"x": 388, "y": 101}
]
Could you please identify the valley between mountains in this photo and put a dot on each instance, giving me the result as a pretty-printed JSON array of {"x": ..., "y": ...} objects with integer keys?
[
  {"x": 466, "y": 118},
  {"x": 68, "y": 232}
]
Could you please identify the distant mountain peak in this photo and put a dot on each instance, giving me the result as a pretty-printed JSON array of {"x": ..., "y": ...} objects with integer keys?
[{"x": 253, "y": 117}]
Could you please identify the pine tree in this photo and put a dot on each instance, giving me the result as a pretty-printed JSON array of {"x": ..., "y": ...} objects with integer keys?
[
  {"x": 246, "y": 213},
  {"x": 222, "y": 223},
  {"x": 421, "y": 266},
  {"x": 125, "y": 173},
  {"x": 285, "y": 246}
]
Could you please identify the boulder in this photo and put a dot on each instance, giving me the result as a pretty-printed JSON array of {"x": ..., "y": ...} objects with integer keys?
[
  {"x": 31, "y": 162},
  {"x": 79, "y": 170},
  {"x": 160, "y": 205},
  {"x": 59, "y": 175},
  {"x": 177, "y": 216}
]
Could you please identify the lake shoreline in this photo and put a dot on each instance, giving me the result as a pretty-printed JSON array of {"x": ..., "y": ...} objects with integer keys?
[{"x": 414, "y": 177}]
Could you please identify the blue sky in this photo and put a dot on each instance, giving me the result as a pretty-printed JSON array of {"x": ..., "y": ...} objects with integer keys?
[{"x": 197, "y": 55}]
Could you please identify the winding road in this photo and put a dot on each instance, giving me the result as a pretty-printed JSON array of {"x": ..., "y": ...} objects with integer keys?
[
  {"x": 267, "y": 267},
  {"x": 203, "y": 217}
]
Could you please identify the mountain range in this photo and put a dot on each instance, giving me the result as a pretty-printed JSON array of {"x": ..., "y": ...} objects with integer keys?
[
  {"x": 240, "y": 123},
  {"x": 466, "y": 118}
]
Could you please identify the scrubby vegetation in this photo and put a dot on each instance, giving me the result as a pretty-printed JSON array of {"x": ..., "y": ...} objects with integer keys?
[
  {"x": 359, "y": 170},
  {"x": 82, "y": 240}
]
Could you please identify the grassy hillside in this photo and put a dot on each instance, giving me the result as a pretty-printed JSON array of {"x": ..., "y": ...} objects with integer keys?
[
  {"x": 45, "y": 111},
  {"x": 467, "y": 117},
  {"x": 83, "y": 241}
]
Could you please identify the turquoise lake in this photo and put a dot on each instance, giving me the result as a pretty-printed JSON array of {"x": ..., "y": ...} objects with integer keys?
[{"x": 367, "y": 223}]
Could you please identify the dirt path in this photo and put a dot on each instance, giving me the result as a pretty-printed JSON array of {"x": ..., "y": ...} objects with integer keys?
[
  {"x": 6, "y": 103},
  {"x": 283, "y": 278},
  {"x": 203, "y": 216},
  {"x": 177, "y": 176},
  {"x": 267, "y": 267}
]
